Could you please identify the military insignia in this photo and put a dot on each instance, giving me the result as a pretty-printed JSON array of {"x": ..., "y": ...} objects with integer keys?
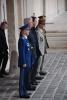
[
  {"x": 41, "y": 39},
  {"x": 28, "y": 49},
  {"x": 28, "y": 44}
]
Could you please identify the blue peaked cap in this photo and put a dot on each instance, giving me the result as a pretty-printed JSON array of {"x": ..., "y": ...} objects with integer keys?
[{"x": 25, "y": 27}]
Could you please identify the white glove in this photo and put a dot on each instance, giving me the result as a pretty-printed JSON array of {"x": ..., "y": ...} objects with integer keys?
[{"x": 24, "y": 65}]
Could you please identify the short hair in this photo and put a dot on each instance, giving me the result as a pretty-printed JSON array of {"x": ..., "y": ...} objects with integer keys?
[
  {"x": 26, "y": 20},
  {"x": 2, "y": 23}
]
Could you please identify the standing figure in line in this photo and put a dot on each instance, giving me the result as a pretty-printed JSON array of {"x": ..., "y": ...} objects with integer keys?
[
  {"x": 24, "y": 61},
  {"x": 42, "y": 44},
  {"x": 3, "y": 49},
  {"x": 33, "y": 50},
  {"x": 35, "y": 65},
  {"x": 32, "y": 42}
]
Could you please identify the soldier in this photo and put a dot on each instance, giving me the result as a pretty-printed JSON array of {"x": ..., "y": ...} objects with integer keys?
[
  {"x": 35, "y": 65},
  {"x": 33, "y": 50},
  {"x": 24, "y": 61},
  {"x": 42, "y": 43}
]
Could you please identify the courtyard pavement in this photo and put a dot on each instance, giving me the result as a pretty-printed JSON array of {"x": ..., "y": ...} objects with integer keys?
[{"x": 52, "y": 87}]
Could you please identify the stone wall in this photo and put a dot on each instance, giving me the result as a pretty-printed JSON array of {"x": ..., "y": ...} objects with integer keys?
[
  {"x": 54, "y": 8},
  {"x": 0, "y": 10},
  {"x": 38, "y": 7},
  {"x": 66, "y": 5}
]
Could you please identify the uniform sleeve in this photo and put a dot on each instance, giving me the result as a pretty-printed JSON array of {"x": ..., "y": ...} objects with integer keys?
[
  {"x": 21, "y": 47},
  {"x": 4, "y": 42},
  {"x": 38, "y": 37}
]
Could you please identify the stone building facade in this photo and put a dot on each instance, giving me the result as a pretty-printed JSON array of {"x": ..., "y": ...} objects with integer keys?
[{"x": 14, "y": 11}]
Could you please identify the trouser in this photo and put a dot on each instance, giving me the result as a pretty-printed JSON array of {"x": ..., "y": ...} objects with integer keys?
[
  {"x": 34, "y": 70},
  {"x": 23, "y": 80},
  {"x": 3, "y": 60},
  {"x": 40, "y": 63}
]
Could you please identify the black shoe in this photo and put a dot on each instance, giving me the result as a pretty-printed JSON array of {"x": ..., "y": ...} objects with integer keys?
[
  {"x": 42, "y": 73},
  {"x": 38, "y": 78},
  {"x": 25, "y": 96},
  {"x": 1, "y": 76},
  {"x": 29, "y": 93},
  {"x": 34, "y": 83},
  {"x": 31, "y": 88},
  {"x": 5, "y": 73}
]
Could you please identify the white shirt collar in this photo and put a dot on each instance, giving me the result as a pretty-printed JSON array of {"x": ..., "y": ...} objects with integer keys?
[{"x": 25, "y": 36}]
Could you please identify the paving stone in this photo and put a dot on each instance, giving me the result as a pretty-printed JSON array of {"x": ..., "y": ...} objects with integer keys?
[
  {"x": 47, "y": 99},
  {"x": 52, "y": 87},
  {"x": 57, "y": 98}
]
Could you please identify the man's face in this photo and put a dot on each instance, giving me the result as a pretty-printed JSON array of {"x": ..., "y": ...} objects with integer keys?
[
  {"x": 5, "y": 26},
  {"x": 36, "y": 22},
  {"x": 30, "y": 23},
  {"x": 41, "y": 26},
  {"x": 24, "y": 32},
  {"x": 27, "y": 32}
]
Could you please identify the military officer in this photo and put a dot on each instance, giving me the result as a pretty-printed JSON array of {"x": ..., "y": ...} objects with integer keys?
[
  {"x": 32, "y": 41},
  {"x": 24, "y": 61},
  {"x": 35, "y": 65},
  {"x": 42, "y": 43}
]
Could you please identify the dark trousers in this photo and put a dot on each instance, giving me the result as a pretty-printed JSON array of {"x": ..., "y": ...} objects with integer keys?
[
  {"x": 23, "y": 81},
  {"x": 3, "y": 60},
  {"x": 34, "y": 70}
]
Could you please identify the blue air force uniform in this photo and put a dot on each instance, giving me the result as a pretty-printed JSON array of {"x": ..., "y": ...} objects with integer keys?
[
  {"x": 24, "y": 62},
  {"x": 24, "y": 52}
]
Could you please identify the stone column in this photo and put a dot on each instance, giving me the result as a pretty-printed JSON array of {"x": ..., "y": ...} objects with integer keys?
[
  {"x": 29, "y": 8},
  {"x": 25, "y": 8},
  {"x": 44, "y": 7},
  {"x": 57, "y": 6},
  {"x": 11, "y": 34},
  {"x": 20, "y": 11},
  {"x": 0, "y": 10},
  {"x": 37, "y": 6},
  {"x": 66, "y": 5}
]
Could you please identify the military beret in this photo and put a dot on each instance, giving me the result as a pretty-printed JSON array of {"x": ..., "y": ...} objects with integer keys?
[
  {"x": 25, "y": 27},
  {"x": 42, "y": 17}
]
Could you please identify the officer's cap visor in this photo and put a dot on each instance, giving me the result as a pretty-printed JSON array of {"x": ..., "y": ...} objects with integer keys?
[{"x": 25, "y": 27}]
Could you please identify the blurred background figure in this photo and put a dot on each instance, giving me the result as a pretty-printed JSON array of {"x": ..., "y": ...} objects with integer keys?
[{"x": 3, "y": 49}]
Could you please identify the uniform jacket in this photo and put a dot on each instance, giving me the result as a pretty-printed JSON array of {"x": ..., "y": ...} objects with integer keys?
[
  {"x": 46, "y": 42},
  {"x": 41, "y": 41},
  {"x": 3, "y": 43},
  {"x": 24, "y": 52},
  {"x": 33, "y": 41}
]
